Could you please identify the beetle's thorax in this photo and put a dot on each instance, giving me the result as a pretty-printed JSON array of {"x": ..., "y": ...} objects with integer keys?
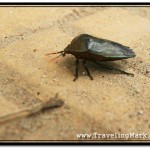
[{"x": 67, "y": 49}]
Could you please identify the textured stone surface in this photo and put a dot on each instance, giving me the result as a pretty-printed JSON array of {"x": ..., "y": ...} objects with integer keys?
[{"x": 111, "y": 103}]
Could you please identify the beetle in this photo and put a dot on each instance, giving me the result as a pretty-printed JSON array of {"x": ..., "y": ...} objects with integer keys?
[{"x": 90, "y": 48}]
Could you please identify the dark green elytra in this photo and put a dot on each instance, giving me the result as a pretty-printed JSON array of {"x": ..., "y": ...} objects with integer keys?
[{"x": 92, "y": 48}]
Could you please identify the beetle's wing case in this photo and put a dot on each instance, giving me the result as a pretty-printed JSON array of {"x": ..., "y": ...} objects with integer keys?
[
  {"x": 108, "y": 48},
  {"x": 101, "y": 47}
]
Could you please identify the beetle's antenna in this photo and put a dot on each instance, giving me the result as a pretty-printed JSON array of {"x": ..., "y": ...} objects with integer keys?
[
  {"x": 55, "y": 58},
  {"x": 54, "y": 53}
]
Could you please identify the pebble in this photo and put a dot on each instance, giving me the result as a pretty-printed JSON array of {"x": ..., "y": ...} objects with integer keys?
[
  {"x": 54, "y": 80},
  {"x": 138, "y": 90},
  {"x": 147, "y": 71},
  {"x": 44, "y": 76},
  {"x": 119, "y": 129},
  {"x": 140, "y": 112},
  {"x": 146, "y": 120},
  {"x": 11, "y": 54},
  {"x": 34, "y": 50},
  {"x": 38, "y": 93},
  {"x": 84, "y": 91},
  {"x": 26, "y": 126},
  {"x": 130, "y": 116}
]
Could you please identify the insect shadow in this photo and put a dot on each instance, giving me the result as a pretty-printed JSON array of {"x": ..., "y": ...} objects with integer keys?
[{"x": 104, "y": 67}]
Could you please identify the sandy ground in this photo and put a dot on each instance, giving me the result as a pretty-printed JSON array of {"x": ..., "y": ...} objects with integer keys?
[{"x": 111, "y": 103}]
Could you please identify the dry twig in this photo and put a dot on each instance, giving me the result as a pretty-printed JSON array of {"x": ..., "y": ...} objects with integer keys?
[{"x": 52, "y": 103}]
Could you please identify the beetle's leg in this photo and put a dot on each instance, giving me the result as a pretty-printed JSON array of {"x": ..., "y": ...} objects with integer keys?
[
  {"x": 113, "y": 68},
  {"x": 76, "y": 69},
  {"x": 87, "y": 70}
]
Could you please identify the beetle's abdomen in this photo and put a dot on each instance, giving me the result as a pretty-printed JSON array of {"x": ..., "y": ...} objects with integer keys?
[{"x": 92, "y": 57}]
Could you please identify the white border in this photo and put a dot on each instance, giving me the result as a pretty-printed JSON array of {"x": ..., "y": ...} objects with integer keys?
[
  {"x": 74, "y": 148},
  {"x": 75, "y": 1}
]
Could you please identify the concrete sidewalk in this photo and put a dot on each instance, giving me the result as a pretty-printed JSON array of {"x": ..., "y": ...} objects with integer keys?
[{"x": 111, "y": 103}]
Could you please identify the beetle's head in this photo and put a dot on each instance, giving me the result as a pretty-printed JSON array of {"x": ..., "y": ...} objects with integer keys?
[{"x": 67, "y": 49}]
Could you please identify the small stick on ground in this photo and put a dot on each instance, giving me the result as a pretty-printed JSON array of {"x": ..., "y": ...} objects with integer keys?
[{"x": 52, "y": 103}]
